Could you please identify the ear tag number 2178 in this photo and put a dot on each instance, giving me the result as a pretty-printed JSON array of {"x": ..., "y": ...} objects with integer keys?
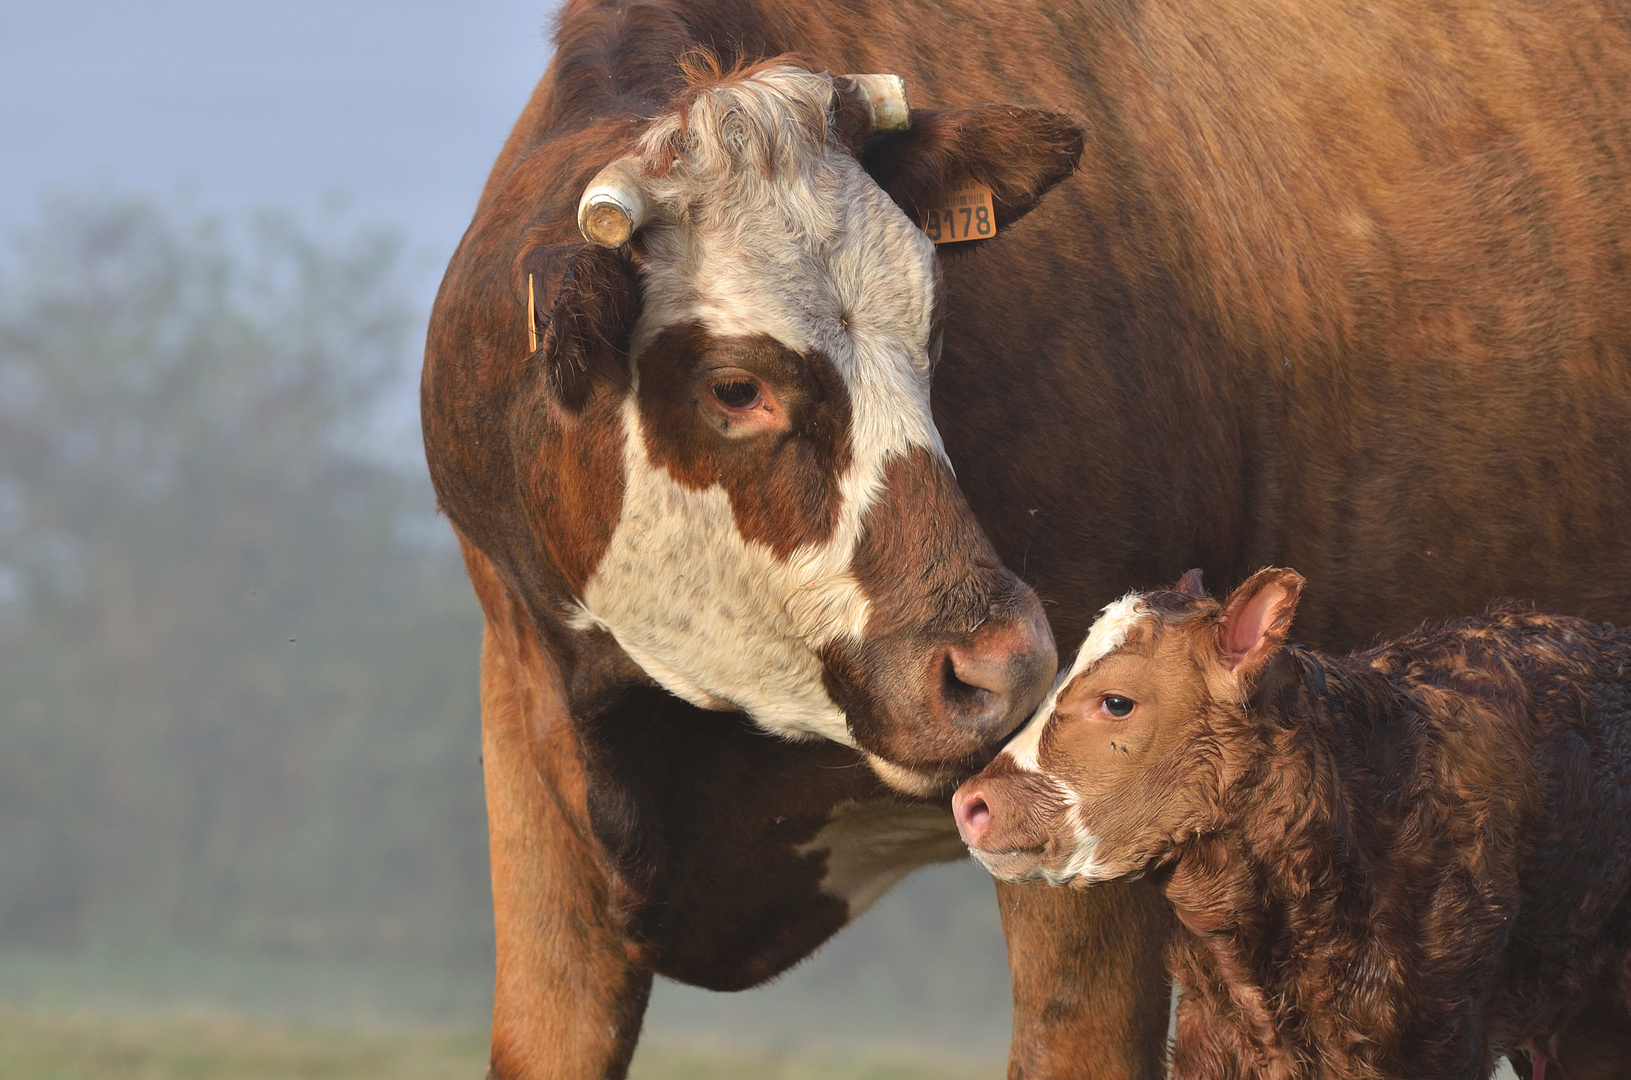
[{"x": 962, "y": 212}]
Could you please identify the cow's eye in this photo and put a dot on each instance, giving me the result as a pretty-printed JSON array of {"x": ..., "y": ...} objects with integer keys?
[
  {"x": 1117, "y": 706},
  {"x": 737, "y": 395}
]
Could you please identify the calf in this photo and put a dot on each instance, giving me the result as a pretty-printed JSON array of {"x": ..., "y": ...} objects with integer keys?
[{"x": 1398, "y": 863}]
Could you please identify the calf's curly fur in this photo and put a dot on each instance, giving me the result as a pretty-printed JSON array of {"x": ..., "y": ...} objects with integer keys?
[{"x": 1398, "y": 863}]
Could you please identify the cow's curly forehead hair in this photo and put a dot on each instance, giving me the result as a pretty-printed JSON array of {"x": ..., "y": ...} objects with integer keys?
[{"x": 768, "y": 119}]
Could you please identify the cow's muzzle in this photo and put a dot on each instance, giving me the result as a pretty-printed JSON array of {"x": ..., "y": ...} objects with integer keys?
[{"x": 941, "y": 702}]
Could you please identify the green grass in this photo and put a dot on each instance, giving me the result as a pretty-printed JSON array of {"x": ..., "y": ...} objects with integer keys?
[
  {"x": 196, "y": 1046},
  {"x": 662, "y": 1063},
  {"x": 38, "y": 1045}
]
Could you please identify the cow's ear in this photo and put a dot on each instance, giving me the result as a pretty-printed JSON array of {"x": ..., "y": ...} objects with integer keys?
[
  {"x": 1255, "y": 620},
  {"x": 1019, "y": 153},
  {"x": 582, "y": 302}
]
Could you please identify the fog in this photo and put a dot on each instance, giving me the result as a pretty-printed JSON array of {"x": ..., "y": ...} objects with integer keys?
[{"x": 238, "y": 722}]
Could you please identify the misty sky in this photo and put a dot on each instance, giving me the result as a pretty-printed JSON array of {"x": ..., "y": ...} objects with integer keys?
[{"x": 401, "y": 107}]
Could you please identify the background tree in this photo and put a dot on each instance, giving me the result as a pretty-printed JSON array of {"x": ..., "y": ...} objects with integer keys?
[
  {"x": 237, "y": 697},
  {"x": 238, "y": 653}
]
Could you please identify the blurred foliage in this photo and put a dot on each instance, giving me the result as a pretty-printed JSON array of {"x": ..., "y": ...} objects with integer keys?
[{"x": 237, "y": 673}]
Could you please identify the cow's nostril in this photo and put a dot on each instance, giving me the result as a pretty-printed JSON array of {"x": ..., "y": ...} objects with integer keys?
[{"x": 958, "y": 692}]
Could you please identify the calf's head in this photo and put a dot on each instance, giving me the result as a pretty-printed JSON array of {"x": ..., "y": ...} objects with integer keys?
[
  {"x": 723, "y": 435},
  {"x": 1135, "y": 749}
]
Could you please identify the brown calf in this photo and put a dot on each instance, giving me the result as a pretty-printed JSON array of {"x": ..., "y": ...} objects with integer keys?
[{"x": 1393, "y": 864}]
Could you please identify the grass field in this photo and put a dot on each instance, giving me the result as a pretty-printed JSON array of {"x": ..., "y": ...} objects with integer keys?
[
  {"x": 196, "y": 1046},
  {"x": 202, "y": 1046}
]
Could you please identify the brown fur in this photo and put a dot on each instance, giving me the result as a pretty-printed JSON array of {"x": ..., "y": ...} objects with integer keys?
[
  {"x": 1394, "y": 864},
  {"x": 1343, "y": 286},
  {"x": 915, "y": 637}
]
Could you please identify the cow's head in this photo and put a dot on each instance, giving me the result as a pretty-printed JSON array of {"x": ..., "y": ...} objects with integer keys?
[
  {"x": 1142, "y": 745},
  {"x": 734, "y": 468}
]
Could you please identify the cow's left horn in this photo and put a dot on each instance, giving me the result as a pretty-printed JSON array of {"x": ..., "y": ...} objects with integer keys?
[
  {"x": 887, "y": 96},
  {"x": 614, "y": 205}
]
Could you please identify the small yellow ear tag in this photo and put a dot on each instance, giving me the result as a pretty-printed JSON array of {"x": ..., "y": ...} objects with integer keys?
[
  {"x": 961, "y": 212},
  {"x": 532, "y": 319}
]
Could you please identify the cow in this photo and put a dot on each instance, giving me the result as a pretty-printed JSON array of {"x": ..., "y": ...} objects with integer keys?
[
  {"x": 1397, "y": 863},
  {"x": 1339, "y": 286}
]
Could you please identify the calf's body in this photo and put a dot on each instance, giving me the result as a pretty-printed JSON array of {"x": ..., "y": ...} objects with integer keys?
[{"x": 1394, "y": 864}]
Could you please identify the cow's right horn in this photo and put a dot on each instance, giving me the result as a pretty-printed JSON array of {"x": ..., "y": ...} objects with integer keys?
[
  {"x": 614, "y": 205},
  {"x": 887, "y": 96}
]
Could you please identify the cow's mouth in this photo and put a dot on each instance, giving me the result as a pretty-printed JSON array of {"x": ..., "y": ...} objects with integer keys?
[
  {"x": 925, "y": 783},
  {"x": 931, "y": 712}
]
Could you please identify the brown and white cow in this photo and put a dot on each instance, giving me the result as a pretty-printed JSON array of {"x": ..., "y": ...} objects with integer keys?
[
  {"x": 1398, "y": 863},
  {"x": 1333, "y": 285}
]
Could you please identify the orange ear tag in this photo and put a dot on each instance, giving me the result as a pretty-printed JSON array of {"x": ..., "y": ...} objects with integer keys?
[{"x": 961, "y": 212}]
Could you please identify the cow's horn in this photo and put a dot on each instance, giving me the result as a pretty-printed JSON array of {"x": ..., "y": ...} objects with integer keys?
[
  {"x": 887, "y": 96},
  {"x": 614, "y": 205}
]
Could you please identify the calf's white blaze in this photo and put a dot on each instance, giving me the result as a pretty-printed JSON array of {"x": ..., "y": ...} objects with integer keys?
[
  {"x": 1107, "y": 634},
  {"x": 764, "y": 225}
]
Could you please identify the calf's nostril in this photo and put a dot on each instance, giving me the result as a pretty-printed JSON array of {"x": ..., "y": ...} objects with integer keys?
[{"x": 972, "y": 814}]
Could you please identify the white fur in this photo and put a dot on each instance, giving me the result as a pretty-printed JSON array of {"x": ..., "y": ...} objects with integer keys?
[
  {"x": 1107, "y": 634},
  {"x": 870, "y": 846},
  {"x": 816, "y": 255},
  {"x": 1081, "y": 863}
]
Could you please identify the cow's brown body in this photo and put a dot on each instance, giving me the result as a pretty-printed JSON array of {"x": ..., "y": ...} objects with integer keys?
[{"x": 1348, "y": 288}]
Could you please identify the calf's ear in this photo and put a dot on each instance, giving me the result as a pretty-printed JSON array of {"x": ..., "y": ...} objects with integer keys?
[
  {"x": 1019, "y": 153},
  {"x": 1190, "y": 584},
  {"x": 581, "y": 304},
  {"x": 1256, "y": 618}
]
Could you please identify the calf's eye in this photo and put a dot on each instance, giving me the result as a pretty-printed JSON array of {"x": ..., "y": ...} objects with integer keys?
[
  {"x": 737, "y": 395},
  {"x": 1117, "y": 706}
]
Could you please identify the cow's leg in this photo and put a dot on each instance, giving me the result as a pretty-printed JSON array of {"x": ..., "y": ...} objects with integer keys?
[
  {"x": 1091, "y": 992},
  {"x": 568, "y": 1000}
]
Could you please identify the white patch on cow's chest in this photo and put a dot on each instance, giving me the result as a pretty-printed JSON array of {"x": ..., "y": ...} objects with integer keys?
[{"x": 872, "y": 845}]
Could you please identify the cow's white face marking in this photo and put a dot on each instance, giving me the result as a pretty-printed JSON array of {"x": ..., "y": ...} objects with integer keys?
[
  {"x": 870, "y": 846},
  {"x": 1108, "y": 634},
  {"x": 765, "y": 226}
]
